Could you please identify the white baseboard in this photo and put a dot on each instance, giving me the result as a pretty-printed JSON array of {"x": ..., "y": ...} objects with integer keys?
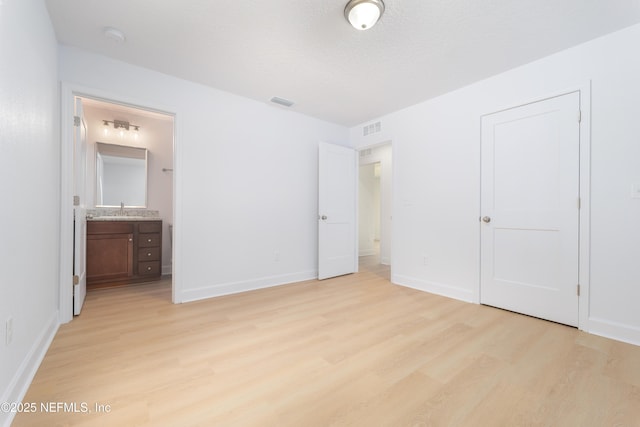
[
  {"x": 27, "y": 370},
  {"x": 614, "y": 330},
  {"x": 166, "y": 269},
  {"x": 605, "y": 328},
  {"x": 244, "y": 286},
  {"x": 434, "y": 288},
  {"x": 385, "y": 260}
]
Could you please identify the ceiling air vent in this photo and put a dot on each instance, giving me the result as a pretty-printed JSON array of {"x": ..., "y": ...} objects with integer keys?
[
  {"x": 282, "y": 101},
  {"x": 372, "y": 128}
]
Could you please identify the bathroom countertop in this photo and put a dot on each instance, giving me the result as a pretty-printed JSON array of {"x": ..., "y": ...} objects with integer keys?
[
  {"x": 115, "y": 214},
  {"x": 123, "y": 218}
]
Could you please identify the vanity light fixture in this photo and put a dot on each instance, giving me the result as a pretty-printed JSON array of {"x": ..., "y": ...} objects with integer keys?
[
  {"x": 121, "y": 126},
  {"x": 363, "y": 14}
]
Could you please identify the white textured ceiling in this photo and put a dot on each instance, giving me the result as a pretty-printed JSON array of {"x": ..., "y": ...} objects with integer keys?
[{"x": 305, "y": 51}]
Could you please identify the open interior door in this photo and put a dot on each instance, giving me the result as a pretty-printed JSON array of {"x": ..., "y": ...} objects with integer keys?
[
  {"x": 79, "y": 208},
  {"x": 337, "y": 211}
]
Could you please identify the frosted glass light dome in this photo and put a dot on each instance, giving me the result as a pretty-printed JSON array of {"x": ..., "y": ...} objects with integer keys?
[{"x": 363, "y": 14}]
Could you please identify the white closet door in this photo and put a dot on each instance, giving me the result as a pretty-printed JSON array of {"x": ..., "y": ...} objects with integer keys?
[{"x": 530, "y": 209}]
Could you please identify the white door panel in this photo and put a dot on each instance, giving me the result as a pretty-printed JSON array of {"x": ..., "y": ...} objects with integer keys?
[
  {"x": 530, "y": 190},
  {"x": 337, "y": 211},
  {"x": 80, "y": 209}
]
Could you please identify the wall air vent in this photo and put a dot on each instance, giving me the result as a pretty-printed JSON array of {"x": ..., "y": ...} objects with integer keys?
[
  {"x": 282, "y": 101},
  {"x": 372, "y": 128}
]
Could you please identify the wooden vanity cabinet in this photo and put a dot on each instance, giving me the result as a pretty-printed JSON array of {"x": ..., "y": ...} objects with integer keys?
[{"x": 123, "y": 252}]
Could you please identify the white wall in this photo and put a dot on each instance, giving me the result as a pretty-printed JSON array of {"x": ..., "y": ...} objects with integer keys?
[
  {"x": 436, "y": 156},
  {"x": 156, "y": 135},
  {"x": 246, "y": 178},
  {"x": 29, "y": 182}
]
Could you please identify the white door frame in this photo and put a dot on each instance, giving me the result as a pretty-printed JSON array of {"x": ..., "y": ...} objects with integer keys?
[
  {"x": 67, "y": 94},
  {"x": 585, "y": 191}
]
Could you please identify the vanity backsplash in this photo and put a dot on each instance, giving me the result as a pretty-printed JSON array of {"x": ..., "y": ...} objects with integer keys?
[{"x": 117, "y": 212}]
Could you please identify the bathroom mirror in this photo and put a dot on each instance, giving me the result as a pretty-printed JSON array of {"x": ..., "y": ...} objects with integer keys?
[{"x": 121, "y": 176}]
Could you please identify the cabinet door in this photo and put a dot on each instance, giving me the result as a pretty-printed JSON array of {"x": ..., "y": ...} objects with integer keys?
[{"x": 109, "y": 256}]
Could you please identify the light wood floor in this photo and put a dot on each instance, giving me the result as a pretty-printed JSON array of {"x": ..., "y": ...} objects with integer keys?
[{"x": 355, "y": 350}]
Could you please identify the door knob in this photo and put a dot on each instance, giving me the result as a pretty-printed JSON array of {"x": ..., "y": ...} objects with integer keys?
[
  {"x": 486, "y": 219},
  {"x": 323, "y": 217}
]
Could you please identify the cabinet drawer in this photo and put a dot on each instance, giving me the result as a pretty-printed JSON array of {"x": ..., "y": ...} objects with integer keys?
[
  {"x": 149, "y": 268},
  {"x": 149, "y": 227},
  {"x": 109, "y": 227},
  {"x": 148, "y": 240},
  {"x": 149, "y": 254}
]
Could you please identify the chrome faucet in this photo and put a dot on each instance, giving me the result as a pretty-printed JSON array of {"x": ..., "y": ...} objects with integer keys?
[{"x": 121, "y": 208}]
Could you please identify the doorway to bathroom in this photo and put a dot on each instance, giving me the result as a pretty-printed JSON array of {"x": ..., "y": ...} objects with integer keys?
[
  {"x": 151, "y": 188},
  {"x": 125, "y": 126}
]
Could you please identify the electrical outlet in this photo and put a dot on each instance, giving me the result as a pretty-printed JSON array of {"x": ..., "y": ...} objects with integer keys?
[
  {"x": 425, "y": 260},
  {"x": 9, "y": 331}
]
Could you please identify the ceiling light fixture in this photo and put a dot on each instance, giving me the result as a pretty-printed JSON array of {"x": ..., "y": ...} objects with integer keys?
[
  {"x": 114, "y": 34},
  {"x": 363, "y": 14}
]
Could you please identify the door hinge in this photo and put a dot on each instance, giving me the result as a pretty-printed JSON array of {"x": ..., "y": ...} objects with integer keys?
[
  {"x": 76, "y": 121},
  {"x": 579, "y": 116},
  {"x": 578, "y": 290},
  {"x": 76, "y": 200},
  {"x": 579, "y": 203},
  {"x": 76, "y": 279}
]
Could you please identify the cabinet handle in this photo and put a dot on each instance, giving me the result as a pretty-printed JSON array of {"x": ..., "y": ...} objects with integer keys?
[
  {"x": 149, "y": 254},
  {"x": 131, "y": 240},
  {"x": 149, "y": 240},
  {"x": 148, "y": 268}
]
